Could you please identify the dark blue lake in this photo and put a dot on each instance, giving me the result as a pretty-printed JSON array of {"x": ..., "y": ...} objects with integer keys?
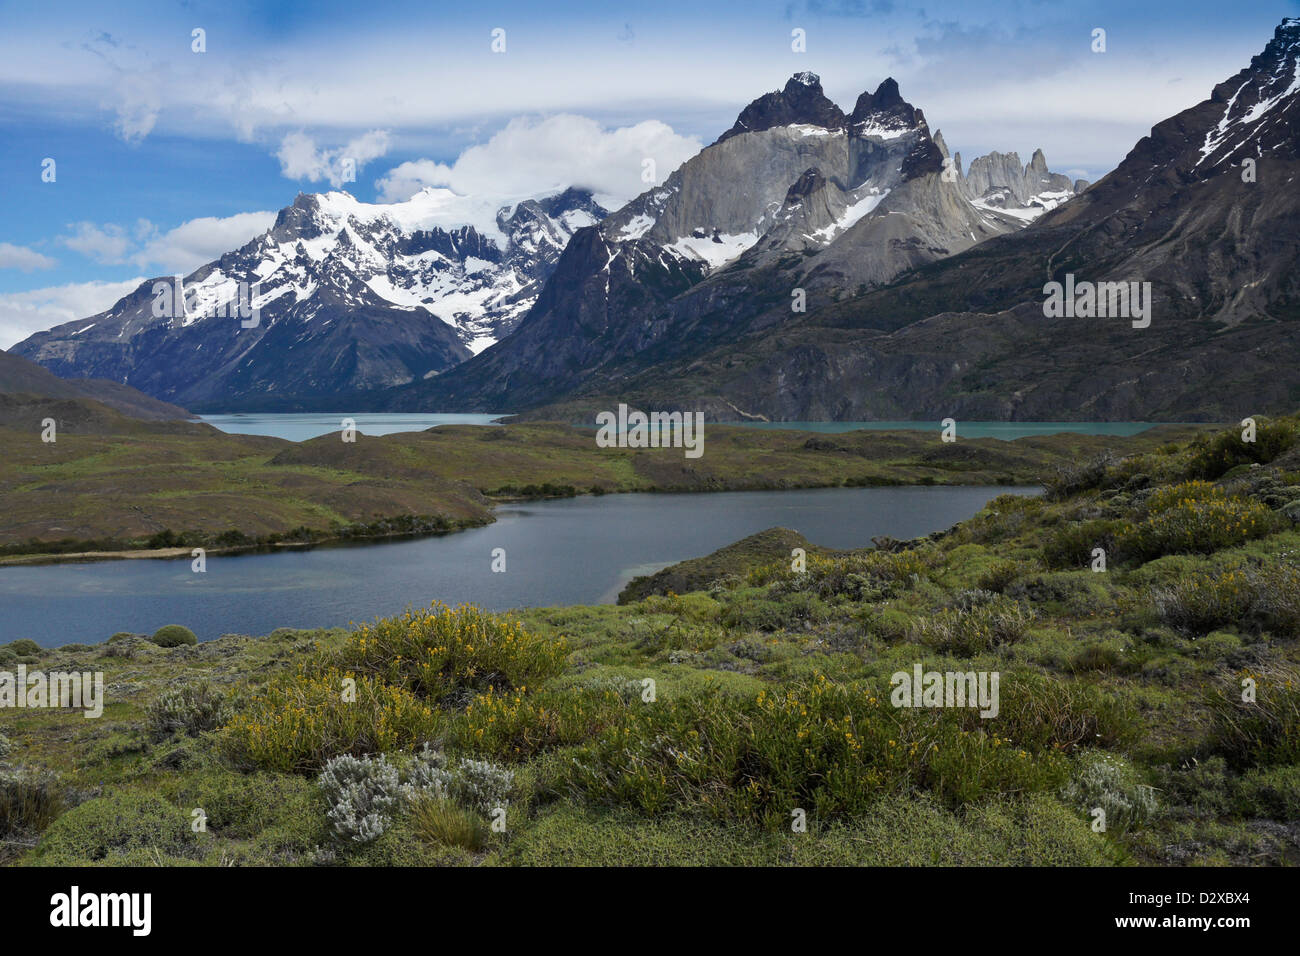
[{"x": 570, "y": 551}]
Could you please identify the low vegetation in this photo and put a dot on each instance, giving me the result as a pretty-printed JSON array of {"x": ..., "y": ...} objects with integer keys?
[
  {"x": 1141, "y": 618},
  {"x": 112, "y": 486}
]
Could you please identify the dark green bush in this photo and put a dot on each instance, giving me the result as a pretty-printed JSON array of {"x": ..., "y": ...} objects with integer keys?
[
  {"x": 123, "y": 822},
  {"x": 173, "y": 635},
  {"x": 1215, "y": 457},
  {"x": 1070, "y": 546}
]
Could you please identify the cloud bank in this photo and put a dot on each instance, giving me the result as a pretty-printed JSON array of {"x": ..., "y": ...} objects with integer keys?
[{"x": 531, "y": 156}]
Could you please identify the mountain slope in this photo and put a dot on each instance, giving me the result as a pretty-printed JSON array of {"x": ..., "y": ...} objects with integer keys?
[
  {"x": 352, "y": 296},
  {"x": 968, "y": 337},
  {"x": 798, "y": 200},
  {"x": 19, "y": 377}
]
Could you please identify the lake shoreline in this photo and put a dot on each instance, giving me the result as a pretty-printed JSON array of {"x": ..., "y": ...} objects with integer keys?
[{"x": 92, "y": 556}]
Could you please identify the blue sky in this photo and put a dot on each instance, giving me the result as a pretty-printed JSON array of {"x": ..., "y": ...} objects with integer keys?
[{"x": 166, "y": 157}]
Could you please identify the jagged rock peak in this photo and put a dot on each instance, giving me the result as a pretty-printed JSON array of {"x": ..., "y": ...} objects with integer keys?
[
  {"x": 938, "y": 141},
  {"x": 886, "y": 97},
  {"x": 801, "y": 101}
]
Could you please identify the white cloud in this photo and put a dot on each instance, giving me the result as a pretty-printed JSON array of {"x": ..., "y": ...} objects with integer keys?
[
  {"x": 20, "y": 257},
  {"x": 183, "y": 249},
  {"x": 301, "y": 158},
  {"x": 138, "y": 106},
  {"x": 22, "y": 313},
  {"x": 106, "y": 244},
  {"x": 532, "y": 156},
  {"x": 201, "y": 240}
]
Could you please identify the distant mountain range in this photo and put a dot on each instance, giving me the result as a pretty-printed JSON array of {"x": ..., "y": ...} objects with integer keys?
[
  {"x": 809, "y": 264},
  {"x": 351, "y": 296}
]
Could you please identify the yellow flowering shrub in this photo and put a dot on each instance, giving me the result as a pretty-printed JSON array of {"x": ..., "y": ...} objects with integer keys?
[
  {"x": 297, "y": 723},
  {"x": 514, "y": 726},
  {"x": 1193, "y": 517},
  {"x": 441, "y": 651}
]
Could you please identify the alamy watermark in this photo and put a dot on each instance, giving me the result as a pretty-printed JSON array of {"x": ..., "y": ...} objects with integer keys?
[
  {"x": 65, "y": 689},
  {"x": 1085, "y": 300},
  {"x": 923, "y": 688},
  {"x": 634, "y": 429},
  {"x": 171, "y": 300}
]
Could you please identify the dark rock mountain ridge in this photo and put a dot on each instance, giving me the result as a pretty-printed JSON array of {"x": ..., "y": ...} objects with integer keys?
[{"x": 1206, "y": 209}]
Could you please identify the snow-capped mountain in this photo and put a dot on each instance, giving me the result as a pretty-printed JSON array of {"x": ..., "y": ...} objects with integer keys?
[
  {"x": 356, "y": 299},
  {"x": 350, "y": 296},
  {"x": 796, "y": 195}
]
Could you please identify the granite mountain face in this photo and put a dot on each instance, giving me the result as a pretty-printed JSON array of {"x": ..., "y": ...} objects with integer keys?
[
  {"x": 797, "y": 195},
  {"x": 1206, "y": 209},
  {"x": 352, "y": 297}
]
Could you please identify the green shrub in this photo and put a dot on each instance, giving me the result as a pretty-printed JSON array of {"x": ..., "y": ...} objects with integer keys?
[
  {"x": 25, "y": 647},
  {"x": 1100, "y": 780},
  {"x": 1216, "y": 646},
  {"x": 1198, "y": 603},
  {"x": 173, "y": 635},
  {"x": 981, "y": 628},
  {"x": 191, "y": 710},
  {"x": 244, "y": 806},
  {"x": 1265, "y": 598},
  {"x": 1077, "y": 594},
  {"x": 1070, "y": 546},
  {"x": 791, "y": 611},
  {"x": 1069, "y": 480},
  {"x": 1264, "y": 732},
  {"x": 829, "y": 749},
  {"x": 30, "y": 799},
  {"x": 115, "y": 826},
  {"x": 1096, "y": 657},
  {"x": 1276, "y": 599},
  {"x": 1271, "y": 792},
  {"x": 872, "y": 576},
  {"x": 1215, "y": 457},
  {"x": 1043, "y": 712},
  {"x": 1002, "y": 574},
  {"x": 1200, "y": 788}
]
